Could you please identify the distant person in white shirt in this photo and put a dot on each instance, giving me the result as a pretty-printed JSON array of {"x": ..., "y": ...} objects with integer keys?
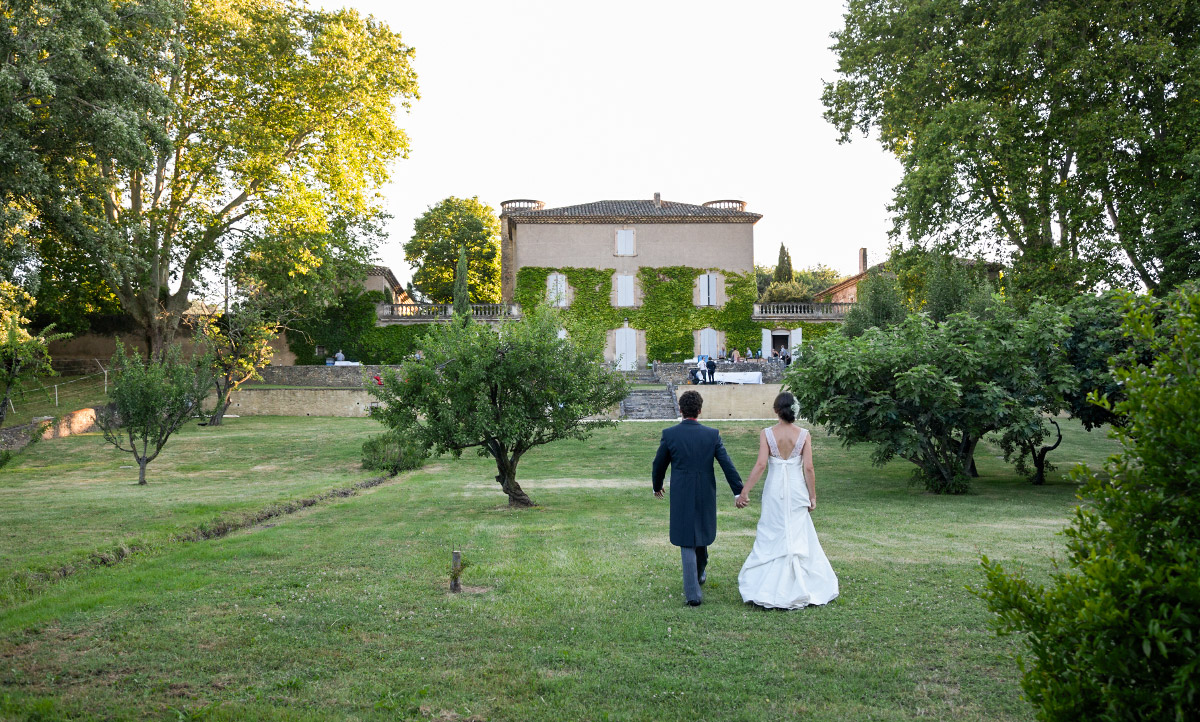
[{"x": 339, "y": 356}]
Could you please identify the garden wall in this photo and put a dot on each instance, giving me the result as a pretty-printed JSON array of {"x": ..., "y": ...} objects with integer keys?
[
  {"x": 729, "y": 401},
  {"x": 298, "y": 402},
  {"x": 319, "y": 376},
  {"x": 78, "y": 355}
]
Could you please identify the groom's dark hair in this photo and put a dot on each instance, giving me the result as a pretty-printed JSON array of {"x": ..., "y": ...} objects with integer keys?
[{"x": 690, "y": 404}]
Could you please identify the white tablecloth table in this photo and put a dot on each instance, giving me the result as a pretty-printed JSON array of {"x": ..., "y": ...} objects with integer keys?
[{"x": 739, "y": 377}]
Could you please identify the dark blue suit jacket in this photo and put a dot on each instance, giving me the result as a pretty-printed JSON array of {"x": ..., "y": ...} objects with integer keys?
[{"x": 690, "y": 448}]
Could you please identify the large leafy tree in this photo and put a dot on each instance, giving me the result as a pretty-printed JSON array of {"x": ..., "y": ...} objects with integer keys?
[
  {"x": 1064, "y": 134},
  {"x": 439, "y": 234},
  {"x": 502, "y": 393},
  {"x": 76, "y": 84},
  {"x": 277, "y": 125},
  {"x": 1115, "y": 632},
  {"x": 928, "y": 392}
]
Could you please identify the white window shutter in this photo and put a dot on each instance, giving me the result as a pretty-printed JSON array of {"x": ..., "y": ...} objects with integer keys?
[
  {"x": 624, "y": 290},
  {"x": 704, "y": 298},
  {"x": 712, "y": 289},
  {"x": 556, "y": 290},
  {"x": 766, "y": 343},
  {"x": 796, "y": 340},
  {"x": 625, "y": 242}
]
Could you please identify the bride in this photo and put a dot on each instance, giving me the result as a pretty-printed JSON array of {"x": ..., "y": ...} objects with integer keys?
[{"x": 786, "y": 569}]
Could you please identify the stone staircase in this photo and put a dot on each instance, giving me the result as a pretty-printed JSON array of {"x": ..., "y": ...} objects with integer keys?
[
  {"x": 642, "y": 376},
  {"x": 650, "y": 404}
]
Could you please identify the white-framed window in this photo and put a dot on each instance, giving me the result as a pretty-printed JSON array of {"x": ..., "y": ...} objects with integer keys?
[
  {"x": 708, "y": 342},
  {"x": 556, "y": 290},
  {"x": 625, "y": 242},
  {"x": 708, "y": 289},
  {"x": 624, "y": 290}
]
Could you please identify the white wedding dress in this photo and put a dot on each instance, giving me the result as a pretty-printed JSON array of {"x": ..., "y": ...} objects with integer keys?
[{"x": 786, "y": 569}]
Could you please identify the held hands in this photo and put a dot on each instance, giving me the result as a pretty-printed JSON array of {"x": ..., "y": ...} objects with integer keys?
[{"x": 742, "y": 500}]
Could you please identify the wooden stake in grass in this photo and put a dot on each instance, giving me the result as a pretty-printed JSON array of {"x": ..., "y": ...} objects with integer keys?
[{"x": 456, "y": 568}]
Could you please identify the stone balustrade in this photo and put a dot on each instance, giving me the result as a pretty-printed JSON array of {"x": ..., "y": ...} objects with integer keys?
[
  {"x": 403, "y": 313},
  {"x": 800, "y": 311}
]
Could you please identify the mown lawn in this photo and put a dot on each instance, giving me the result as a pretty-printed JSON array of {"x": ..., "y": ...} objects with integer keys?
[
  {"x": 67, "y": 499},
  {"x": 572, "y": 610}
]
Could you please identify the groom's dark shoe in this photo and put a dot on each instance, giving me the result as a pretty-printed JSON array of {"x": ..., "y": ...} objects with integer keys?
[
  {"x": 693, "y": 602},
  {"x": 703, "y": 577}
]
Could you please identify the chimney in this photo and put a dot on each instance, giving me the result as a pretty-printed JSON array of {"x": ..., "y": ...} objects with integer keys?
[
  {"x": 658, "y": 200},
  {"x": 862, "y": 260}
]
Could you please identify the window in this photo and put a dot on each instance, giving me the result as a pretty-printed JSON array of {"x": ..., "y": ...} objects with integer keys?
[
  {"x": 624, "y": 290},
  {"x": 708, "y": 289},
  {"x": 625, "y": 242},
  {"x": 708, "y": 342},
  {"x": 556, "y": 290}
]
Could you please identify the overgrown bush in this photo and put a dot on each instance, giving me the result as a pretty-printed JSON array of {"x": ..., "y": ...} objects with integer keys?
[
  {"x": 1116, "y": 633},
  {"x": 392, "y": 452}
]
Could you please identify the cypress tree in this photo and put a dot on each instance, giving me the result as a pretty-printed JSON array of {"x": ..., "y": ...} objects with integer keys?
[
  {"x": 783, "y": 269},
  {"x": 462, "y": 298}
]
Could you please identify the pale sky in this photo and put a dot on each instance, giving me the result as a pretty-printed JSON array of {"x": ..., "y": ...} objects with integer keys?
[{"x": 573, "y": 102}]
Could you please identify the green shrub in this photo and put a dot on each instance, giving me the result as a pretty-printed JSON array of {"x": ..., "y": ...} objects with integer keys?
[
  {"x": 787, "y": 292},
  {"x": 880, "y": 305},
  {"x": 392, "y": 452},
  {"x": 1116, "y": 632}
]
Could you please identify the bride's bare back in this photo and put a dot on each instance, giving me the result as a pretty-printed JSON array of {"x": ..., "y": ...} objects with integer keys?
[{"x": 786, "y": 436}]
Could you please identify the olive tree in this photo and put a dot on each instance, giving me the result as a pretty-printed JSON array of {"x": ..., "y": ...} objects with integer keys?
[{"x": 502, "y": 391}]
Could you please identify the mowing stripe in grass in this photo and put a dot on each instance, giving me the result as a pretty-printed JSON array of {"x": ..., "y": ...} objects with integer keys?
[{"x": 26, "y": 583}]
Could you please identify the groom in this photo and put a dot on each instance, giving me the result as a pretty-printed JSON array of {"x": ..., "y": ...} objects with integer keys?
[{"x": 690, "y": 448}]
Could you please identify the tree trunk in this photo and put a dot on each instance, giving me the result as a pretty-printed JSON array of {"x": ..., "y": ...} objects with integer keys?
[
  {"x": 970, "y": 460},
  {"x": 1039, "y": 457},
  {"x": 4, "y": 404},
  {"x": 507, "y": 478},
  {"x": 160, "y": 332},
  {"x": 142, "y": 471},
  {"x": 223, "y": 402}
]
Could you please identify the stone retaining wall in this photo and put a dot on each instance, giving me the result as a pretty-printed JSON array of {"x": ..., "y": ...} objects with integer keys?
[
  {"x": 732, "y": 401},
  {"x": 249, "y": 401},
  {"x": 323, "y": 376}
]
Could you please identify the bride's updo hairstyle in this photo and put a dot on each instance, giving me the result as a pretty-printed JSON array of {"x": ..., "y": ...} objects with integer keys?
[{"x": 784, "y": 407}]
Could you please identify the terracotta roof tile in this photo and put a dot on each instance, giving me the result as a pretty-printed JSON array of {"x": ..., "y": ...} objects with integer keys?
[{"x": 641, "y": 210}]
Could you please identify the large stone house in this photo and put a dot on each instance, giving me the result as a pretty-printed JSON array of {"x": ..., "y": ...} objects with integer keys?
[{"x": 624, "y": 236}]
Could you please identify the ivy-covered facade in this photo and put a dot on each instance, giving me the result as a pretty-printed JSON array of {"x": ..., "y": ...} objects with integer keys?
[
  {"x": 608, "y": 265},
  {"x": 667, "y": 316}
]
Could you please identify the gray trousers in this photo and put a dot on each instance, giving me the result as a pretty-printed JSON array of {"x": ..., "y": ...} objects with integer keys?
[{"x": 695, "y": 559}]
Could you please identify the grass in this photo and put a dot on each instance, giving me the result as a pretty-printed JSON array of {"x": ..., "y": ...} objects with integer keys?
[
  {"x": 572, "y": 610},
  {"x": 37, "y": 397},
  {"x": 64, "y": 501}
]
